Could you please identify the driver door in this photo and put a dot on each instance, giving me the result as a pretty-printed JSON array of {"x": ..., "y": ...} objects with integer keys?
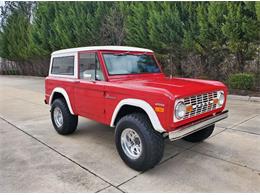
[{"x": 89, "y": 92}]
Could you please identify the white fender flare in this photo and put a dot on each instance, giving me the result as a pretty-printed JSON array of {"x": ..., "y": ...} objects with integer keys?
[
  {"x": 143, "y": 105},
  {"x": 65, "y": 95}
]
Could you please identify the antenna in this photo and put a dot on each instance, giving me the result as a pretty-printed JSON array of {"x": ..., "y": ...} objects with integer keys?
[{"x": 171, "y": 64}]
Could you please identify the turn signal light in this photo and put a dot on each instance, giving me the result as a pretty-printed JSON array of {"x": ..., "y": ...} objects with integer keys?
[
  {"x": 159, "y": 109},
  {"x": 189, "y": 108},
  {"x": 215, "y": 101}
]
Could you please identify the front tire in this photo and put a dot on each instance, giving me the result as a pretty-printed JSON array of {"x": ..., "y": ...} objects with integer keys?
[
  {"x": 200, "y": 135},
  {"x": 63, "y": 121},
  {"x": 138, "y": 144}
]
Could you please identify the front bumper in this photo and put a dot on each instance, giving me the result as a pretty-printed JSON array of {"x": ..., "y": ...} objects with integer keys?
[{"x": 196, "y": 126}]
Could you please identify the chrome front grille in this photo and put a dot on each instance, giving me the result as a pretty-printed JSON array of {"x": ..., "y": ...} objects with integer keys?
[{"x": 200, "y": 104}]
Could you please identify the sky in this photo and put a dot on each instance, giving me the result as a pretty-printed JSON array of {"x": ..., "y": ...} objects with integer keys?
[{"x": 2, "y": 3}]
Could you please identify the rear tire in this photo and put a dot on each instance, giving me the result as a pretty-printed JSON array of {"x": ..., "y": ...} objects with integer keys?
[
  {"x": 149, "y": 142},
  {"x": 200, "y": 135},
  {"x": 63, "y": 121}
]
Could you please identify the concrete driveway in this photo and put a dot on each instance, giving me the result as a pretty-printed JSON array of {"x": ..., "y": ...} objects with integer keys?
[{"x": 34, "y": 158}]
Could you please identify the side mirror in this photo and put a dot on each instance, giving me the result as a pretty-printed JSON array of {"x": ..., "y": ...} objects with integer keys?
[{"x": 87, "y": 76}]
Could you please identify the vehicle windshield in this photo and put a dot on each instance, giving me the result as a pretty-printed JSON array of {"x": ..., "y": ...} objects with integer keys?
[{"x": 120, "y": 64}]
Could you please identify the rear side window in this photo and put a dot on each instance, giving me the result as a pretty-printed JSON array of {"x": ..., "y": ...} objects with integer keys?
[{"x": 63, "y": 65}]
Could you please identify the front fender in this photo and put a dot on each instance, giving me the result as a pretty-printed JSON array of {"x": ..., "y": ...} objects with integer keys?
[{"x": 143, "y": 105}]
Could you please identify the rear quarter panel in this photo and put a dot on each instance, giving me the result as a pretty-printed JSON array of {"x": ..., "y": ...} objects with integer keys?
[{"x": 66, "y": 83}]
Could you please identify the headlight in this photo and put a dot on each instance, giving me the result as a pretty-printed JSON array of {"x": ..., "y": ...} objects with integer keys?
[
  {"x": 180, "y": 110},
  {"x": 221, "y": 98}
]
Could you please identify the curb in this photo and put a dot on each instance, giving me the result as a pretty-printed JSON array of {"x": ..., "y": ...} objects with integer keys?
[
  {"x": 244, "y": 98},
  {"x": 254, "y": 99},
  {"x": 23, "y": 76}
]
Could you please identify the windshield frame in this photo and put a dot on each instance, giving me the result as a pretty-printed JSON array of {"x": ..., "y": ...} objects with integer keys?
[{"x": 151, "y": 54}]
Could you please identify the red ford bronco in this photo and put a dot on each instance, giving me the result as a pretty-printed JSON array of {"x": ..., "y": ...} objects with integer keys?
[{"x": 124, "y": 87}]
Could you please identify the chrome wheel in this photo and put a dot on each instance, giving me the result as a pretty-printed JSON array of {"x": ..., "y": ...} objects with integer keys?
[
  {"x": 58, "y": 117},
  {"x": 131, "y": 143}
]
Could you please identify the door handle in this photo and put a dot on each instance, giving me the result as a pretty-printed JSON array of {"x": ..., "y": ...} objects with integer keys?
[{"x": 75, "y": 81}]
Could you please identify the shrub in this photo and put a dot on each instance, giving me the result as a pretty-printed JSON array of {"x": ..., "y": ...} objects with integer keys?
[{"x": 243, "y": 81}]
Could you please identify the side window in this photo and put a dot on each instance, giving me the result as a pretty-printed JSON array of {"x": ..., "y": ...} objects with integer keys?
[
  {"x": 63, "y": 65},
  {"x": 89, "y": 67}
]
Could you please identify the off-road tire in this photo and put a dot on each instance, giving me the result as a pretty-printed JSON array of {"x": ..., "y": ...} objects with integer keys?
[
  {"x": 152, "y": 141},
  {"x": 70, "y": 121},
  {"x": 200, "y": 135}
]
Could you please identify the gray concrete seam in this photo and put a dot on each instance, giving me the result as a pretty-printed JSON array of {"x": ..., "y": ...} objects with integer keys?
[
  {"x": 221, "y": 158},
  {"x": 235, "y": 125},
  {"x": 234, "y": 163},
  {"x": 84, "y": 168},
  {"x": 165, "y": 160},
  {"x": 105, "y": 188},
  {"x": 243, "y": 131},
  {"x": 189, "y": 148},
  {"x": 171, "y": 157}
]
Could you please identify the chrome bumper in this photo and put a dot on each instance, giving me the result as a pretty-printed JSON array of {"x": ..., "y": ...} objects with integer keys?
[{"x": 196, "y": 126}]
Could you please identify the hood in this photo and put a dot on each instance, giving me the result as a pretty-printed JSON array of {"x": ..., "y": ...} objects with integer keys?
[{"x": 176, "y": 87}]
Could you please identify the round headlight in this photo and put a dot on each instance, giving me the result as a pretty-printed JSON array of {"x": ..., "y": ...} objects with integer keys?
[
  {"x": 221, "y": 99},
  {"x": 180, "y": 110}
]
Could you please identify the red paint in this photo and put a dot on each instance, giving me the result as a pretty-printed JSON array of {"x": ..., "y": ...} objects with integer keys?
[{"x": 88, "y": 97}]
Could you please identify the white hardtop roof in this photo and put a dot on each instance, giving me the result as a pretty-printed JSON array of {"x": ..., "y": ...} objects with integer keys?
[{"x": 114, "y": 48}]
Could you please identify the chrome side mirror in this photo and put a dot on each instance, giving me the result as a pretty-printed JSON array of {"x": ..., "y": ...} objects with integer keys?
[{"x": 87, "y": 76}]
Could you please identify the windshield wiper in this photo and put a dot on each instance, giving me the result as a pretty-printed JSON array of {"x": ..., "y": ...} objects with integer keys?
[
  {"x": 141, "y": 54},
  {"x": 128, "y": 53},
  {"x": 122, "y": 54}
]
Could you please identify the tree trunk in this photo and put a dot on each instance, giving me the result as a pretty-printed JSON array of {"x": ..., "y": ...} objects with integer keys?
[
  {"x": 204, "y": 63},
  {"x": 175, "y": 60},
  {"x": 240, "y": 61}
]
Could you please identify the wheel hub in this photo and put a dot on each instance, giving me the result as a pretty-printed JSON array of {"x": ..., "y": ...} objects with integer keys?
[
  {"x": 58, "y": 117},
  {"x": 131, "y": 143}
]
